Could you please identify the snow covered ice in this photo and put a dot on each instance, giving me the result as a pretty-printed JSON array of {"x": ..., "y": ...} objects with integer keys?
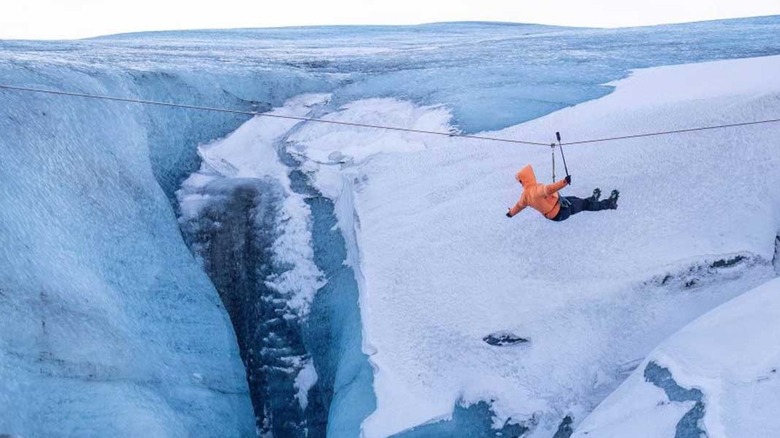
[
  {"x": 696, "y": 227},
  {"x": 729, "y": 355},
  {"x": 362, "y": 268}
]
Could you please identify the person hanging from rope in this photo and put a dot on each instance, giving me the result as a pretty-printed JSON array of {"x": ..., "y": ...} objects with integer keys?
[{"x": 546, "y": 200}]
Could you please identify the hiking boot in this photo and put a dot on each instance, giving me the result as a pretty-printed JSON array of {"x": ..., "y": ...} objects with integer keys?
[
  {"x": 596, "y": 194},
  {"x": 613, "y": 199}
]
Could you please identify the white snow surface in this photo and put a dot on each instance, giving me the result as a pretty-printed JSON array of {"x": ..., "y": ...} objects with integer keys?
[
  {"x": 730, "y": 354},
  {"x": 441, "y": 267}
]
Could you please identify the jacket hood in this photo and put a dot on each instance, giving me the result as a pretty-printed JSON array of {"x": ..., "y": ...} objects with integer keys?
[{"x": 526, "y": 176}]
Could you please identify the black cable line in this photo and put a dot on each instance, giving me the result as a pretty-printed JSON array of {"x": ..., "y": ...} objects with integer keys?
[
  {"x": 278, "y": 116},
  {"x": 676, "y": 131},
  {"x": 366, "y": 125}
]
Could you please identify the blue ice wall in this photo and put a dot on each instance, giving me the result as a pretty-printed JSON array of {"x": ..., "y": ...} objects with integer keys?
[
  {"x": 118, "y": 319},
  {"x": 334, "y": 333},
  {"x": 234, "y": 235},
  {"x": 109, "y": 327}
]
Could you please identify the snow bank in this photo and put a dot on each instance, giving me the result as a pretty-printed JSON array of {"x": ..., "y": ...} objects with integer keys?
[
  {"x": 729, "y": 355},
  {"x": 441, "y": 266}
]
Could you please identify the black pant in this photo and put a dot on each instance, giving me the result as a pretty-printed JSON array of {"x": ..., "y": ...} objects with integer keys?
[{"x": 571, "y": 205}]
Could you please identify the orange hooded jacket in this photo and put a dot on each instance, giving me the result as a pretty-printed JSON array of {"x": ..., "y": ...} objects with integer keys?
[{"x": 543, "y": 198}]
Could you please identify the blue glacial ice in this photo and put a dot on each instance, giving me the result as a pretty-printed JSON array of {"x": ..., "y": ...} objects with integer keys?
[
  {"x": 307, "y": 373},
  {"x": 334, "y": 332},
  {"x": 109, "y": 324},
  {"x": 474, "y": 421},
  {"x": 688, "y": 426}
]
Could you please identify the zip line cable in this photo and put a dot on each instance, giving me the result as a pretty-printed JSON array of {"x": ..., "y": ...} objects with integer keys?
[
  {"x": 676, "y": 131},
  {"x": 366, "y": 125},
  {"x": 255, "y": 113}
]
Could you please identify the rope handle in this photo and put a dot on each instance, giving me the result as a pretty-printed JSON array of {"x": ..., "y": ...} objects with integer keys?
[{"x": 563, "y": 157}]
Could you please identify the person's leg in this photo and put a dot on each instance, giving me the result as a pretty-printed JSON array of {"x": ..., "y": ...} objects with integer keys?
[
  {"x": 590, "y": 204},
  {"x": 576, "y": 204}
]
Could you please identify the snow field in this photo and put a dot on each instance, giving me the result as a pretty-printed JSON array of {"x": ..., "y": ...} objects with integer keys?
[{"x": 442, "y": 267}]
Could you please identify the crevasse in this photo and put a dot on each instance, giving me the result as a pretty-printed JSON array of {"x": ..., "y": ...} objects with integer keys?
[{"x": 104, "y": 311}]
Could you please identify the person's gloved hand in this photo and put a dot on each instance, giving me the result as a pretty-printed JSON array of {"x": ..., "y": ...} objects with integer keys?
[
  {"x": 507, "y": 212},
  {"x": 568, "y": 179}
]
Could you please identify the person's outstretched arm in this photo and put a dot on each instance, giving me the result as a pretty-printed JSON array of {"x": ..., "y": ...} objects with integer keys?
[
  {"x": 549, "y": 189},
  {"x": 517, "y": 208}
]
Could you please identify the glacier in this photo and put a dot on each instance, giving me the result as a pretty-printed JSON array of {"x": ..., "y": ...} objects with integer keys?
[{"x": 170, "y": 272}]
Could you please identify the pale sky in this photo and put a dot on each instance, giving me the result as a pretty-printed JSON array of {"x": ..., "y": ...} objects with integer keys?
[{"x": 50, "y": 19}]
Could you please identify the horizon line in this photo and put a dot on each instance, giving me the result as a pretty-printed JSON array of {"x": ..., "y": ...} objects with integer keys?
[{"x": 375, "y": 25}]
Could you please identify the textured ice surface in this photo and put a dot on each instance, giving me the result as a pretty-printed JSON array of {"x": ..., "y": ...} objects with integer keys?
[
  {"x": 334, "y": 331},
  {"x": 490, "y": 75},
  {"x": 729, "y": 360},
  {"x": 108, "y": 325},
  {"x": 268, "y": 257},
  {"x": 253, "y": 234}
]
